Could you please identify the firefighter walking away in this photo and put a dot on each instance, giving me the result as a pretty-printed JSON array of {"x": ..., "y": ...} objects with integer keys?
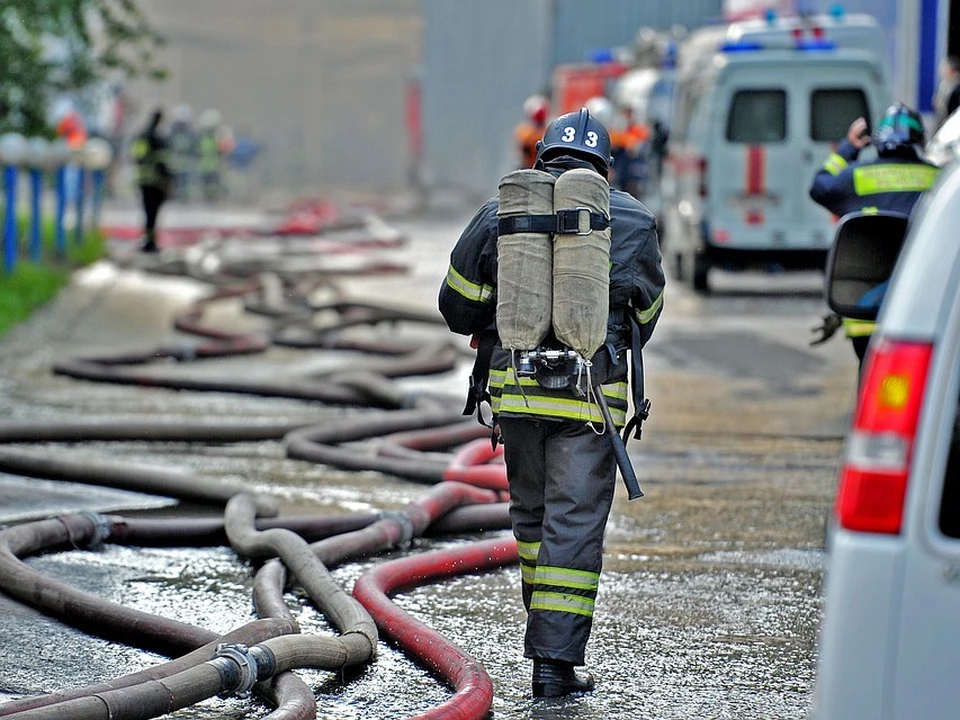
[{"x": 560, "y": 282}]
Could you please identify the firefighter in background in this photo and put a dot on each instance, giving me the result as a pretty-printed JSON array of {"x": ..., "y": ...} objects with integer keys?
[
  {"x": 210, "y": 155},
  {"x": 626, "y": 145},
  {"x": 561, "y": 472},
  {"x": 536, "y": 108},
  {"x": 183, "y": 152},
  {"x": 894, "y": 181},
  {"x": 149, "y": 151}
]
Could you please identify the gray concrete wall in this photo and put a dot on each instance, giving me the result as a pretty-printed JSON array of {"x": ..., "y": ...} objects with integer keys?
[
  {"x": 482, "y": 58},
  {"x": 320, "y": 82}
]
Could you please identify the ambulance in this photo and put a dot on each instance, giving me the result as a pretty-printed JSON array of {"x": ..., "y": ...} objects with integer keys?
[{"x": 758, "y": 107}]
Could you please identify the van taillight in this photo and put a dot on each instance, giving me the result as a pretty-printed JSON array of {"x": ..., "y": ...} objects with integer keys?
[
  {"x": 873, "y": 481},
  {"x": 702, "y": 168}
]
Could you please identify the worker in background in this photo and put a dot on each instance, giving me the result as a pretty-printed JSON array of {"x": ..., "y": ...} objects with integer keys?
[
  {"x": 626, "y": 145},
  {"x": 210, "y": 159},
  {"x": 893, "y": 181},
  {"x": 149, "y": 152},
  {"x": 184, "y": 152},
  {"x": 71, "y": 127},
  {"x": 561, "y": 470},
  {"x": 528, "y": 133}
]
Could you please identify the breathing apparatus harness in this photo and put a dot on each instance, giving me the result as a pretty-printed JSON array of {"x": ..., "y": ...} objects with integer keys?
[{"x": 554, "y": 366}]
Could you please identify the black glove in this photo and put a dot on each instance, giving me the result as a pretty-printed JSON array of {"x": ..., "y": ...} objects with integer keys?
[{"x": 831, "y": 323}]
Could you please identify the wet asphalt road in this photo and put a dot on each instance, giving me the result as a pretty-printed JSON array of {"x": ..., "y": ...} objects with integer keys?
[{"x": 709, "y": 602}]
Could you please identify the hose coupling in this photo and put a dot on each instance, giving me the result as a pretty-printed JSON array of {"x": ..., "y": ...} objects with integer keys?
[
  {"x": 240, "y": 668},
  {"x": 405, "y": 523},
  {"x": 101, "y": 528}
]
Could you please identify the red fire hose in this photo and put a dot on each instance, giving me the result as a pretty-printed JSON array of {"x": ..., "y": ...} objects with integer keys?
[{"x": 474, "y": 689}]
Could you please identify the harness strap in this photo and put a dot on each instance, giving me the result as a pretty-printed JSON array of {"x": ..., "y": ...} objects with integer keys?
[
  {"x": 641, "y": 405},
  {"x": 581, "y": 221},
  {"x": 477, "y": 394}
]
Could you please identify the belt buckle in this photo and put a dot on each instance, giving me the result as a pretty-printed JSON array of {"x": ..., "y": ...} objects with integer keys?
[{"x": 575, "y": 220}]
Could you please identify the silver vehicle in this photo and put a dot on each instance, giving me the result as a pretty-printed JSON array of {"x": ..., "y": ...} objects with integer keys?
[{"x": 889, "y": 647}]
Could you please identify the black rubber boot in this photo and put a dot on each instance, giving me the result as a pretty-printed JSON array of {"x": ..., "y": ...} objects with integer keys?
[
  {"x": 149, "y": 244},
  {"x": 555, "y": 678}
]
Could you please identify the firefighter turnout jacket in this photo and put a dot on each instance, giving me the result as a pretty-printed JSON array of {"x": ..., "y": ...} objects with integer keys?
[
  {"x": 150, "y": 153},
  {"x": 890, "y": 182},
  {"x": 561, "y": 471},
  {"x": 468, "y": 303}
]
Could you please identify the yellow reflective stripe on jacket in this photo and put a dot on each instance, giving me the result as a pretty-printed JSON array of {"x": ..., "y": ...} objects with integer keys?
[
  {"x": 872, "y": 179},
  {"x": 645, "y": 316},
  {"x": 561, "y": 602},
  {"x": 568, "y": 578},
  {"x": 470, "y": 290},
  {"x": 858, "y": 328},
  {"x": 506, "y": 396},
  {"x": 835, "y": 164},
  {"x": 139, "y": 149}
]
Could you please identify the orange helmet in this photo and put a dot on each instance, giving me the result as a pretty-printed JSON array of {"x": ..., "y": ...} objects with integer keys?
[{"x": 536, "y": 107}]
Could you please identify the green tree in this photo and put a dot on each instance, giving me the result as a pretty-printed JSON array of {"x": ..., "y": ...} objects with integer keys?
[{"x": 55, "y": 46}]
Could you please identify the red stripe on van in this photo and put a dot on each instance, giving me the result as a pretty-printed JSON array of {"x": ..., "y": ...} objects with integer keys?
[{"x": 756, "y": 170}]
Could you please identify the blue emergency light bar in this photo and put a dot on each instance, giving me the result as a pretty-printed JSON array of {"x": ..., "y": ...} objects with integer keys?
[{"x": 752, "y": 46}]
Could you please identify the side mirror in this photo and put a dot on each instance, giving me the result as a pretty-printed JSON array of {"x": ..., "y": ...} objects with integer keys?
[{"x": 861, "y": 261}]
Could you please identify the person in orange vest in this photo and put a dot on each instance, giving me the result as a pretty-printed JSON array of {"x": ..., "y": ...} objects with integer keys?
[
  {"x": 73, "y": 130},
  {"x": 536, "y": 108},
  {"x": 626, "y": 144}
]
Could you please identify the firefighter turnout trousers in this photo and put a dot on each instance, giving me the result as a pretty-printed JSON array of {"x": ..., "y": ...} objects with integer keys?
[{"x": 562, "y": 476}]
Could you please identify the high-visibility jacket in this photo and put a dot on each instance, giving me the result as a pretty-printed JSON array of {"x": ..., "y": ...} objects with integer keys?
[
  {"x": 468, "y": 302},
  {"x": 210, "y": 154},
  {"x": 149, "y": 151},
  {"x": 890, "y": 182}
]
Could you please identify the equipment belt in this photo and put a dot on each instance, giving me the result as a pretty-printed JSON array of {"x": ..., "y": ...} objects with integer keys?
[{"x": 581, "y": 221}]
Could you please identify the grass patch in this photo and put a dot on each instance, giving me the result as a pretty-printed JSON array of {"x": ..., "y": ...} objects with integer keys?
[{"x": 32, "y": 285}]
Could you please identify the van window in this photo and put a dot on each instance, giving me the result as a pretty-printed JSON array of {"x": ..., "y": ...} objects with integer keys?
[
  {"x": 832, "y": 111},
  {"x": 757, "y": 116},
  {"x": 950, "y": 502}
]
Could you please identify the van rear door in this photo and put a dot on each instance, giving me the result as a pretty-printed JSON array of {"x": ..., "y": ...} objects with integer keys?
[
  {"x": 771, "y": 142},
  {"x": 835, "y": 97}
]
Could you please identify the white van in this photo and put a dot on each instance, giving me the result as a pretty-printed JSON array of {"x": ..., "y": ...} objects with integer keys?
[
  {"x": 889, "y": 645},
  {"x": 758, "y": 107}
]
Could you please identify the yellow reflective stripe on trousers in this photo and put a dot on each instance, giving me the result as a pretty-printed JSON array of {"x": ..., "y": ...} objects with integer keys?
[
  {"x": 858, "y": 328},
  {"x": 645, "y": 316},
  {"x": 873, "y": 179},
  {"x": 568, "y": 578},
  {"x": 561, "y": 602},
  {"x": 528, "y": 552},
  {"x": 835, "y": 164},
  {"x": 470, "y": 290}
]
